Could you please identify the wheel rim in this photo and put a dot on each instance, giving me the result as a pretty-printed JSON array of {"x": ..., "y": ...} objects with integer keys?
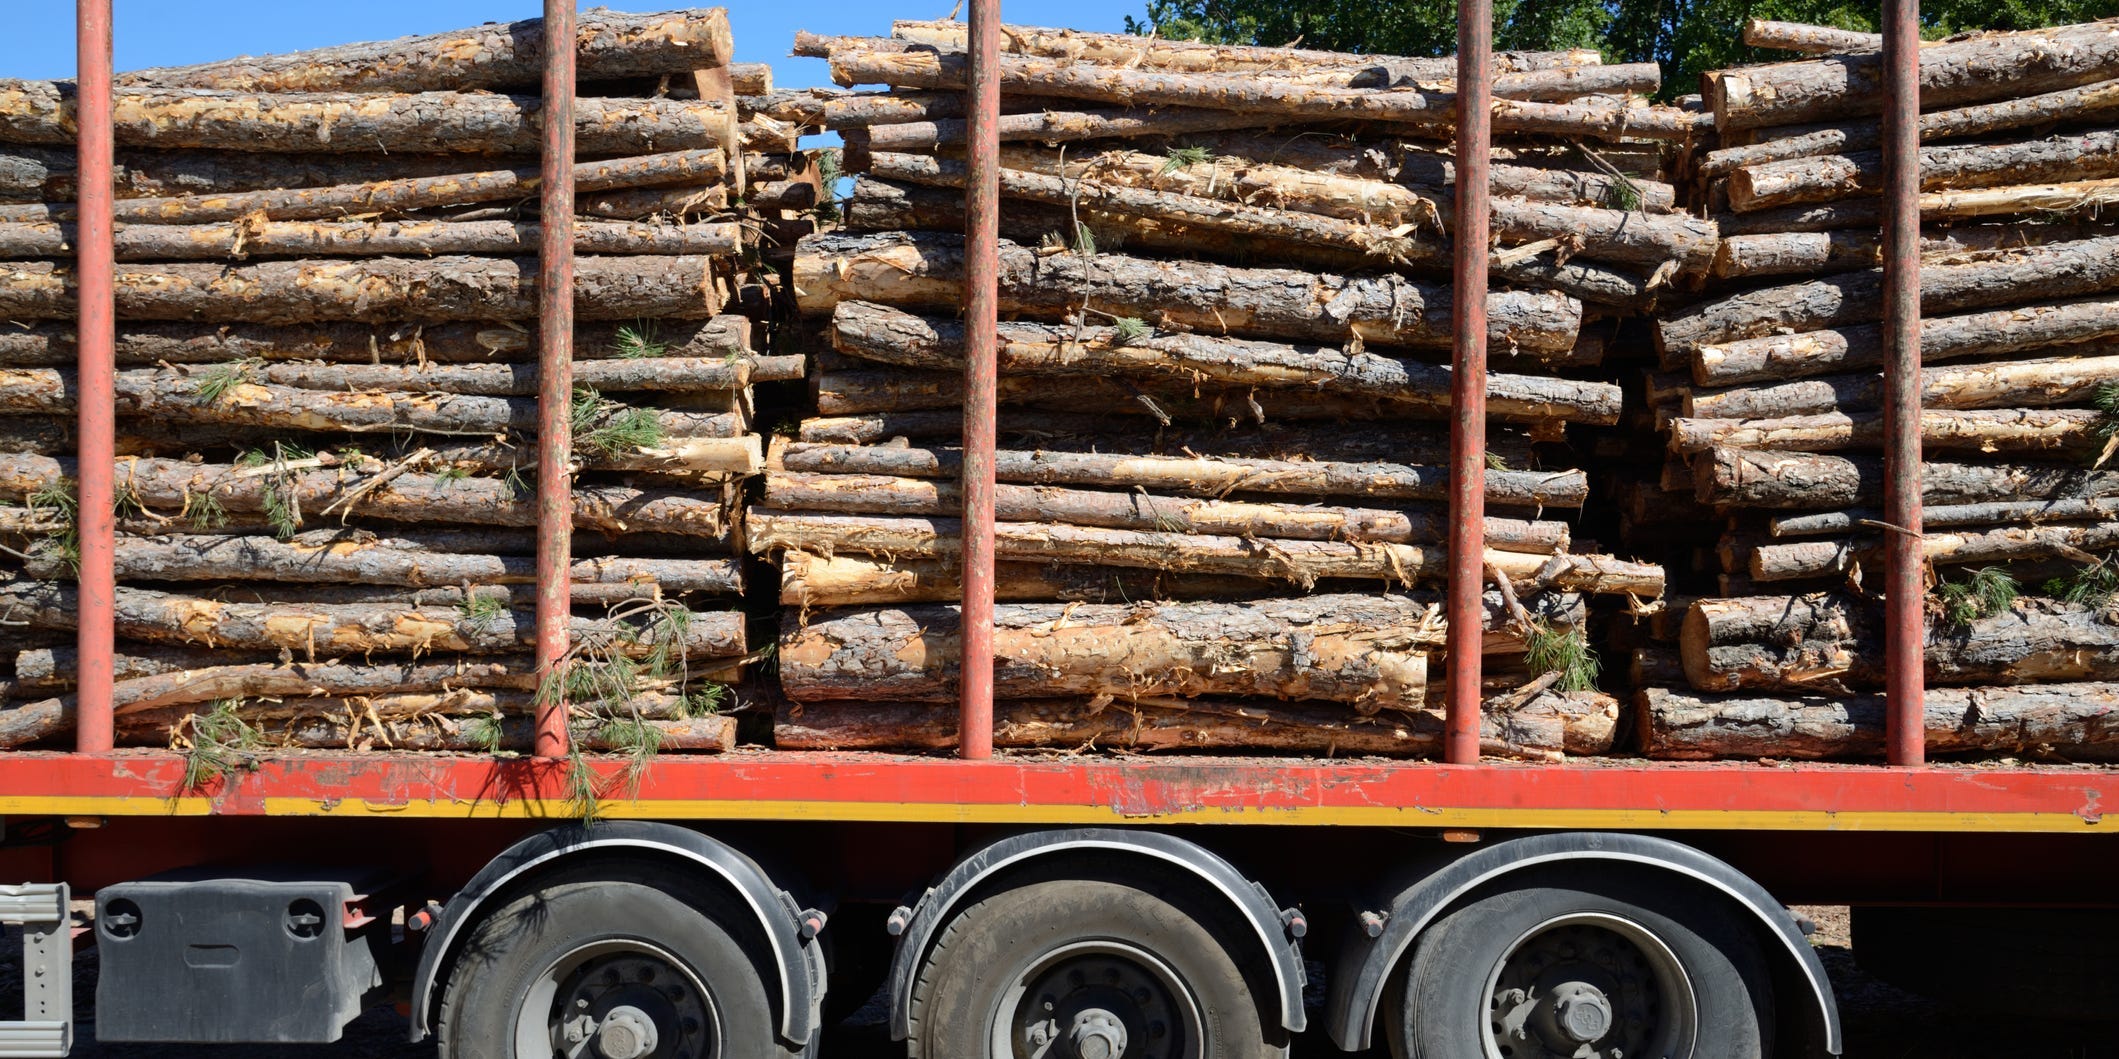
[
  {"x": 1098, "y": 1000},
  {"x": 1589, "y": 986},
  {"x": 618, "y": 999}
]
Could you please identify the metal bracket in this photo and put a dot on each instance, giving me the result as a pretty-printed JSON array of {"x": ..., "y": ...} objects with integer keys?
[{"x": 47, "y": 1026}]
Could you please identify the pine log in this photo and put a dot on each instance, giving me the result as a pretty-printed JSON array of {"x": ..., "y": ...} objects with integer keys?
[
  {"x": 30, "y": 722},
  {"x": 1784, "y": 356},
  {"x": 42, "y": 670},
  {"x": 2068, "y": 157},
  {"x": 748, "y": 79},
  {"x": 1055, "y": 126},
  {"x": 896, "y": 390},
  {"x": 2058, "y": 270},
  {"x": 880, "y": 333},
  {"x": 660, "y": 374},
  {"x": 347, "y": 558},
  {"x": 173, "y": 485},
  {"x": 1370, "y": 651},
  {"x": 884, "y": 495},
  {"x": 2091, "y": 101},
  {"x": 1272, "y": 96},
  {"x": 1151, "y": 53},
  {"x": 2014, "y": 431},
  {"x": 1828, "y": 556},
  {"x": 2048, "y": 382},
  {"x": 1949, "y": 516},
  {"x": 1845, "y": 250},
  {"x": 1546, "y": 728},
  {"x": 179, "y": 394},
  {"x": 2073, "y": 722},
  {"x": 1951, "y": 74},
  {"x": 1302, "y": 562},
  {"x": 925, "y": 270},
  {"x": 1832, "y": 643},
  {"x": 1819, "y": 217},
  {"x": 350, "y": 628},
  {"x": 1193, "y": 475},
  {"x": 459, "y": 122},
  {"x": 1809, "y": 40},
  {"x": 1750, "y": 478},
  {"x": 395, "y": 193},
  {"x": 717, "y": 338},
  {"x": 671, "y": 204},
  {"x": 241, "y": 240},
  {"x": 611, "y": 44},
  {"x": 438, "y": 733},
  {"x": 373, "y": 290},
  {"x": 808, "y": 580},
  {"x": 31, "y": 174}
]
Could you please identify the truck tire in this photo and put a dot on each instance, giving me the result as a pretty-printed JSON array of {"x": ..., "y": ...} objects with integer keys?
[
  {"x": 626, "y": 966},
  {"x": 1584, "y": 963},
  {"x": 1084, "y": 967}
]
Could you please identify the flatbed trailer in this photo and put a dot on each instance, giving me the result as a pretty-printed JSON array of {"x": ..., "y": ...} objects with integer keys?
[{"x": 1033, "y": 905}]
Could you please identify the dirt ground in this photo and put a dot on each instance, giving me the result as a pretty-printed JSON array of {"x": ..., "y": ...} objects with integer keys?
[{"x": 1881, "y": 1022}]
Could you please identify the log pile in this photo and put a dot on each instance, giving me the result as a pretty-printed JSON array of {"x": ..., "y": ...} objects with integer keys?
[
  {"x": 327, "y": 370},
  {"x": 1769, "y": 398},
  {"x": 1224, "y": 395}
]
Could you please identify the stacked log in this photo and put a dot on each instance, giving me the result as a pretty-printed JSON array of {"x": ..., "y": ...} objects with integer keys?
[
  {"x": 327, "y": 369},
  {"x": 1770, "y": 398},
  {"x": 1224, "y": 396}
]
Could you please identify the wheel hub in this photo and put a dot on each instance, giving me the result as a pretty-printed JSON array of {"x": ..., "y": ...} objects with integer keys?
[
  {"x": 626, "y": 1033},
  {"x": 1580, "y": 1011},
  {"x": 1098, "y": 1000},
  {"x": 626, "y": 1003},
  {"x": 1098, "y": 1034},
  {"x": 1588, "y": 988}
]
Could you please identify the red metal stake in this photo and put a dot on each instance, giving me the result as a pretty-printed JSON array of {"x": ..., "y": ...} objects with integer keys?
[
  {"x": 555, "y": 370},
  {"x": 982, "y": 232},
  {"x": 1467, "y": 438},
  {"x": 96, "y": 343},
  {"x": 1905, "y": 585}
]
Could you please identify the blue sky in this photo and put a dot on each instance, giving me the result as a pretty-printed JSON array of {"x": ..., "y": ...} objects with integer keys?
[{"x": 38, "y": 41}]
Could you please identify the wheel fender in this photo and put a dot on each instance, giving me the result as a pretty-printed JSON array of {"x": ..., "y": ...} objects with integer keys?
[
  {"x": 787, "y": 927},
  {"x": 1367, "y": 962},
  {"x": 917, "y": 925}
]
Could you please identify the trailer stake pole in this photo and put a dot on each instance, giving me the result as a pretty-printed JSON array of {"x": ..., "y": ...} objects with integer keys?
[
  {"x": 1905, "y": 586},
  {"x": 1467, "y": 437},
  {"x": 555, "y": 375},
  {"x": 96, "y": 345},
  {"x": 982, "y": 230}
]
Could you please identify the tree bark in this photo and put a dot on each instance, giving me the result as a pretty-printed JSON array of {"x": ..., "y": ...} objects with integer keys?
[
  {"x": 1193, "y": 475},
  {"x": 610, "y": 44},
  {"x": 458, "y": 122},
  {"x": 1951, "y": 74},
  {"x": 398, "y": 191},
  {"x": 2002, "y": 384},
  {"x": 340, "y": 557},
  {"x": 2074, "y": 722},
  {"x": 373, "y": 290},
  {"x": 2059, "y": 270},
  {"x": 1809, "y": 40},
  {"x": 239, "y": 240},
  {"x": 717, "y": 338},
  {"x": 42, "y": 670},
  {"x": 421, "y": 499},
  {"x": 891, "y": 336},
  {"x": 1270, "y": 96},
  {"x": 1785, "y": 356},
  {"x": 1784, "y": 481},
  {"x": 46, "y": 174},
  {"x": 27, "y": 723},
  {"x": 1824, "y": 558},
  {"x": 1546, "y": 728},
  {"x": 2072, "y": 156},
  {"x": 925, "y": 270},
  {"x": 1813, "y": 253},
  {"x": 1054, "y": 126},
  {"x": 2052, "y": 432},
  {"x": 808, "y": 581},
  {"x": 1947, "y": 516},
  {"x": 883, "y": 495},
  {"x": 350, "y": 628},
  {"x": 1303, "y": 562},
  {"x": 659, "y": 374},
  {"x": 1831, "y": 643}
]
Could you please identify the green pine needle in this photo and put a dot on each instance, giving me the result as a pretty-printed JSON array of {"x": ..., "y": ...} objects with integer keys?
[
  {"x": 1185, "y": 158},
  {"x": 1984, "y": 593},
  {"x": 215, "y": 382},
  {"x": 1563, "y": 651},
  {"x": 638, "y": 341},
  {"x": 1126, "y": 330}
]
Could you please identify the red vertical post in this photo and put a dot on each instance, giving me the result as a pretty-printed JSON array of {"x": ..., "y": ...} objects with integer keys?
[
  {"x": 1467, "y": 439},
  {"x": 95, "y": 344},
  {"x": 982, "y": 232},
  {"x": 555, "y": 369},
  {"x": 1905, "y": 585}
]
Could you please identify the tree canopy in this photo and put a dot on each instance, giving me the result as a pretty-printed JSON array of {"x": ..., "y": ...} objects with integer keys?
[{"x": 1686, "y": 36}]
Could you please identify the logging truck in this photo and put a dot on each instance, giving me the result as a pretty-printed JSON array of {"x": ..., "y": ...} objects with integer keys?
[{"x": 1533, "y": 893}]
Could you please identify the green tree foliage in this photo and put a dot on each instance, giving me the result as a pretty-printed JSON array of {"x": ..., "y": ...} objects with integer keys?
[{"x": 1687, "y": 37}]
